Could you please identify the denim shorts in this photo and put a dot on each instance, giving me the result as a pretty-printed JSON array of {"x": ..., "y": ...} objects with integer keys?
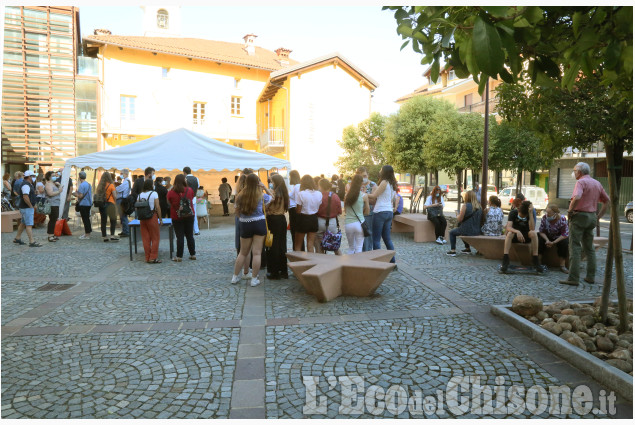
[
  {"x": 249, "y": 229},
  {"x": 27, "y": 216}
]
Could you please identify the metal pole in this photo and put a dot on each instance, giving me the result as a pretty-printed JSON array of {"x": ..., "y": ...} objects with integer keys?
[{"x": 485, "y": 149}]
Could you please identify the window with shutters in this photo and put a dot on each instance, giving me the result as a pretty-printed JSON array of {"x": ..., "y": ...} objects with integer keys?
[
  {"x": 127, "y": 104},
  {"x": 566, "y": 183},
  {"x": 198, "y": 112}
]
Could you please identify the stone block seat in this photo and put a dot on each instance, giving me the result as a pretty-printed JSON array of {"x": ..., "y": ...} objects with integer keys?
[
  {"x": 7, "y": 220},
  {"x": 492, "y": 247},
  {"x": 419, "y": 224},
  {"x": 329, "y": 276}
]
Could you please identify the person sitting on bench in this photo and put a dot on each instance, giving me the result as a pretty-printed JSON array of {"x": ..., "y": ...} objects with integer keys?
[
  {"x": 521, "y": 229},
  {"x": 554, "y": 230}
]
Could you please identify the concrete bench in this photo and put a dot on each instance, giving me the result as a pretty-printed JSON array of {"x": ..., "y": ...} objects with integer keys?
[
  {"x": 419, "y": 224},
  {"x": 7, "y": 220},
  {"x": 328, "y": 276},
  {"x": 492, "y": 247}
]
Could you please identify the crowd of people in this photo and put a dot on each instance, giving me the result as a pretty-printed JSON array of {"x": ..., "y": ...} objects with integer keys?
[{"x": 313, "y": 206}]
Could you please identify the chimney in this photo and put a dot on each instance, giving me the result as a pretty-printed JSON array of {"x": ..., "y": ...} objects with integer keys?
[
  {"x": 283, "y": 55},
  {"x": 250, "y": 47},
  {"x": 100, "y": 31}
]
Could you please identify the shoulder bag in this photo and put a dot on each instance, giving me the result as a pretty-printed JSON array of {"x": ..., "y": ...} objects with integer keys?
[
  {"x": 331, "y": 241},
  {"x": 363, "y": 223}
]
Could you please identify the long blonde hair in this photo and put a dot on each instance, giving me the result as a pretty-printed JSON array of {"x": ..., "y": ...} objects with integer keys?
[
  {"x": 470, "y": 198},
  {"x": 250, "y": 196}
]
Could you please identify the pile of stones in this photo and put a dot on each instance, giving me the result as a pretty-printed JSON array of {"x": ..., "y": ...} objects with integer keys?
[{"x": 579, "y": 325}]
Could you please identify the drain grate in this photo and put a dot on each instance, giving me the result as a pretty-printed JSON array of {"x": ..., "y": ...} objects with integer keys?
[{"x": 55, "y": 287}]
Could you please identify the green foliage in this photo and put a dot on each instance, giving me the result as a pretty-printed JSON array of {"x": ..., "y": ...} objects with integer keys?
[
  {"x": 407, "y": 133},
  {"x": 515, "y": 147},
  {"x": 455, "y": 142},
  {"x": 362, "y": 145},
  {"x": 559, "y": 42}
]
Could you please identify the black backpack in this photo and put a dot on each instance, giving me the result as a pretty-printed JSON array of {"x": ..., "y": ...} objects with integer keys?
[
  {"x": 143, "y": 208},
  {"x": 185, "y": 207}
]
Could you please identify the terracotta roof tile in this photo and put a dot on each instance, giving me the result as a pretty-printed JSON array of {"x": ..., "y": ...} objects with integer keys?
[{"x": 219, "y": 51}]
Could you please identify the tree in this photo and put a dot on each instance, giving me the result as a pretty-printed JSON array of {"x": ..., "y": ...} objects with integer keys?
[
  {"x": 516, "y": 147},
  {"x": 559, "y": 42},
  {"x": 455, "y": 143},
  {"x": 362, "y": 145},
  {"x": 407, "y": 133}
]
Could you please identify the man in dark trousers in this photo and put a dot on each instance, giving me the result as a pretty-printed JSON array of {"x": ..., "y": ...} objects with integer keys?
[
  {"x": 194, "y": 184},
  {"x": 25, "y": 204}
]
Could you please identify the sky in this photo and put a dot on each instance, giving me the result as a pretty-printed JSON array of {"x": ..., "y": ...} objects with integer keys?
[{"x": 365, "y": 35}]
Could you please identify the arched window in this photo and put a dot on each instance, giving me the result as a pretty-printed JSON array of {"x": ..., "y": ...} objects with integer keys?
[{"x": 162, "y": 18}]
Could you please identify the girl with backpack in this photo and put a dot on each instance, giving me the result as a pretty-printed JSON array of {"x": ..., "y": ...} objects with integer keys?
[
  {"x": 182, "y": 214},
  {"x": 148, "y": 213},
  {"x": 105, "y": 201}
]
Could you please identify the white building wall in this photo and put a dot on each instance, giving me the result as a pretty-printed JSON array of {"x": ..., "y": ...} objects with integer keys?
[
  {"x": 323, "y": 103},
  {"x": 165, "y": 104}
]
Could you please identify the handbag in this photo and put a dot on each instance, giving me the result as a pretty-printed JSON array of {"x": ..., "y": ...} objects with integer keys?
[
  {"x": 433, "y": 212},
  {"x": 43, "y": 206},
  {"x": 363, "y": 223},
  {"x": 269, "y": 236},
  {"x": 331, "y": 241}
]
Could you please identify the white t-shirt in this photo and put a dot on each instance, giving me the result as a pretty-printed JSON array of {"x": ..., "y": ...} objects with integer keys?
[
  {"x": 152, "y": 194},
  {"x": 293, "y": 191},
  {"x": 310, "y": 201},
  {"x": 26, "y": 189},
  {"x": 429, "y": 201}
]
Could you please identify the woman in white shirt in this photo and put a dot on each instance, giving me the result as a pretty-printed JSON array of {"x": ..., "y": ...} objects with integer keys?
[
  {"x": 385, "y": 206},
  {"x": 434, "y": 207},
  {"x": 294, "y": 188},
  {"x": 150, "y": 227},
  {"x": 308, "y": 202}
]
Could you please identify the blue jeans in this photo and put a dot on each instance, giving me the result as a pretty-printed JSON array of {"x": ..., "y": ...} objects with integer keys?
[
  {"x": 382, "y": 223},
  {"x": 453, "y": 234},
  {"x": 124, "y": 219}
]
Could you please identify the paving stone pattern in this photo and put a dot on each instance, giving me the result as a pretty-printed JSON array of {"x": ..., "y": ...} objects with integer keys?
[{"x": 177, "y": 340}]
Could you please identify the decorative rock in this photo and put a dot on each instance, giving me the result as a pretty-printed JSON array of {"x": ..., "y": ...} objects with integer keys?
[
  {"x": 590, "y": 346},
  {"x": 621, "y": 365},
  {"x": 561, "y": 304},
  {"x": 552, "y": 327},
  {"x": 626, "y": 337},
  {"x": 588, "y": 321},
  {"x": 601, "y": 332},
  {"x": 621, "y": 355},
  {"x": 613, "y": 337},
  {"x": 552, "y": 310},
  {"x": 556, "y": 316},
  {"x": 600, "y": 355},
  {"x": 573, "y": 339},
  {"x": 613, "y": 319},
  {"x": 604, "y": 344},
  {"x": 568, "y": 311},
  {"x": 599, "y": 326},
  {"x": 547, "y": 320},
  {"x": 533, "y": 319},
  {"x": 592, "y": 332},
  {"x": 584, "y": 311},
  {"x": 623, "y": 344},
  {"x": 568, "y": 319},
  {"x": 541, "y": 315},
  {"x": 565, "y": 326},
  {"x": 575, "y": 306},
  {"x": 526, "y": 305},
  {"x": 583, "y": 335}
]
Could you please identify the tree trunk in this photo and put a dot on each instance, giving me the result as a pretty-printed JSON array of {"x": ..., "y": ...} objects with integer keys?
[
  {"x": 608, "y": 275},
  {"x": 425, "y": 185},
  {"x": 459, "y": 176},
  {"x": 615, "y": 232},
  {"x": 436, "y": 177},
  {"x": 519, "y": 178}
]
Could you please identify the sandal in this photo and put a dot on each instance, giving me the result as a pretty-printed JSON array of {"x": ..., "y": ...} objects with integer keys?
[
  {"x": 177, "y": 259},
  {"x": 53, "y": 239},
  {"x": 35, "y": 244},
  {"x": 19, "y": 241},
  {"x": 192, "y": 257},
  {"x": 155, "y": 261}
]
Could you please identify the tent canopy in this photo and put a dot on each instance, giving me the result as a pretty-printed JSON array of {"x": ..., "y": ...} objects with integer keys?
[{"x": 177, "y": 149}]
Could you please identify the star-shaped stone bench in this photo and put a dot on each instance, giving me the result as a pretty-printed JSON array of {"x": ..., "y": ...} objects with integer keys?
[{"x": 329, "y": 276}]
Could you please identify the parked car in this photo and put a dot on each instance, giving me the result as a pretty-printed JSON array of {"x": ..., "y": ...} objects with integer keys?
[
  {"x": 628, "y": 212},
  {"x": 451, "y": 192},
  {"x": 535, "y": 194},
  {"x": 405, "y": 189}
]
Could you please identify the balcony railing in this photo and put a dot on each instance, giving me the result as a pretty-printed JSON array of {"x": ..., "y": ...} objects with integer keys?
[
  {"x": 272, "y": 139},
  {"x": 480, "y": 107}
]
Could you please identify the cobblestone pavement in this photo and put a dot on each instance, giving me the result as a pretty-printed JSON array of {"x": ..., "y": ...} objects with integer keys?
[{"x": 175, "y": 340}]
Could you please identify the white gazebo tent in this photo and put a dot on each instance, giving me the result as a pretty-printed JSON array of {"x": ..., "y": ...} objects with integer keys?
[{"x": 173, "y": 151}]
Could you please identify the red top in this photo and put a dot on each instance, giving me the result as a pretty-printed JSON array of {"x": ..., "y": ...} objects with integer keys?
[
  {"x": 588, "y": 192},
  {"x": 175, "y": 198},
  {"x": 336, "y": 205}
]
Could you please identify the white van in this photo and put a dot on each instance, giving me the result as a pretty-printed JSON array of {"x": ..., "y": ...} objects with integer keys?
[{"x": 535, "y": 194}]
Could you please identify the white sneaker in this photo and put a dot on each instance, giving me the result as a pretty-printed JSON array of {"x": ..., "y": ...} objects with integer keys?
[
  {"x": 255, "y": 281},
  {"x": 439, "y": 241},
  {"x": 235, "y": 279},
  {"x": 247, "y": 275},
  {"x": 444, "y": 241},
  {"x": 84, "y": 237}
]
